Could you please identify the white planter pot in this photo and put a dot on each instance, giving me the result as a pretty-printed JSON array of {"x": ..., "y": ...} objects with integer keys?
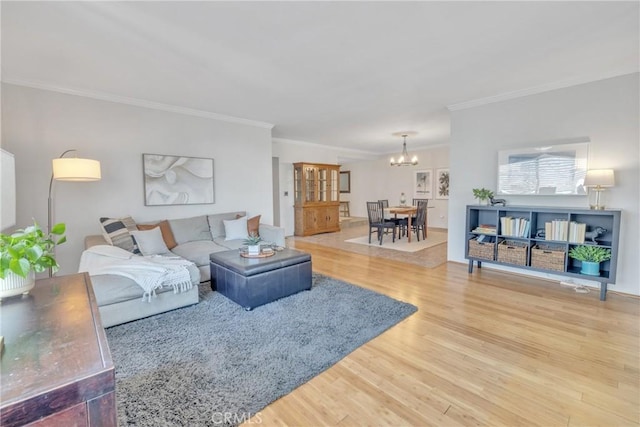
[
  {"x": 13, "y": 284},
  {"x": 253, "y": 249}
]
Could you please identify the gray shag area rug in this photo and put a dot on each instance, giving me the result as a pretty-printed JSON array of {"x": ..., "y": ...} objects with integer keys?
[{"x": 215, "y": 364}]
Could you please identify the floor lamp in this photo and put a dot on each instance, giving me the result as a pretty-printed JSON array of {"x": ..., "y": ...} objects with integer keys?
[{"x": 70, "y": 169}]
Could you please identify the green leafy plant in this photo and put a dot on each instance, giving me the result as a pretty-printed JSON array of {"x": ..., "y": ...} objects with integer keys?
[
  {"x": 252, "y": 240},
  {"x": 30, "y": 249},
  {"x": 482, "y": 194},
  {"x": 590, "y": 253}
]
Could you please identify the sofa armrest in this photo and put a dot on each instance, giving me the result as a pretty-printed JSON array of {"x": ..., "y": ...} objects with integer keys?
[
  {"x": 272, "y": 234},
  {"x": 94, "y": 240}
]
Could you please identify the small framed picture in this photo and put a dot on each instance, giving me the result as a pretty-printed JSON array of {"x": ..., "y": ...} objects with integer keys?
[
  {"x": 442, "y": 183},
  {"x": 423, "y": 184},
  {"x": 345, "y": 181}
]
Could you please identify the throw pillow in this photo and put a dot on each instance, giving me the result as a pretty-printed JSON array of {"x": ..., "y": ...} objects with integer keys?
[
  {"x": 216, "y": 226},
  {"x": 165, "y": 228},
  {"x": 117, "y": 231},
  {"x": 253, "y": 225},
  {"x": 235, "y": 229},
  {"x": 150, "y": 242}
]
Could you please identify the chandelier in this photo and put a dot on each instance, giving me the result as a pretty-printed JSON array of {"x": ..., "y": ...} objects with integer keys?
[{"x": 404, "y": 159}]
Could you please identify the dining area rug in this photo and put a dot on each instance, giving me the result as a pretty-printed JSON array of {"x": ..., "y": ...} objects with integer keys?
[{"x": 434, "y": 237}]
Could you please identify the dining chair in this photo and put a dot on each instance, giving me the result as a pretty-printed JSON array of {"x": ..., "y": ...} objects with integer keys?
[
  {"x": 375, "y": 211},
  {"x": 415, "y": 203},
  {"x": 385, "y": 205},
  {"x": 420, "y": 223}
]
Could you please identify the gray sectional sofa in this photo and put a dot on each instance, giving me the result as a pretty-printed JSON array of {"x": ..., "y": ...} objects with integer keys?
[{"x": 120, "y": 298}]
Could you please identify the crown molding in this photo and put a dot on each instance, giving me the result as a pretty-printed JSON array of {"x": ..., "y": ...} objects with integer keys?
[
  {"x": 138, "y": 103},
  {"x": 538, "y": 89},
  {"x": 315, "y": 144}
]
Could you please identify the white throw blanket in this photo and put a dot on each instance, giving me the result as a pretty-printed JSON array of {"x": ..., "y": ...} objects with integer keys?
[{"x": 149, "y": 272}]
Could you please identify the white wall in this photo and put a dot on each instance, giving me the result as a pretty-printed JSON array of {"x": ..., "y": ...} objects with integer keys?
[
  {"x": 606, "y": 111},
  {"x": 39, "y": 125},
  {"x": 374, "y": 180}
]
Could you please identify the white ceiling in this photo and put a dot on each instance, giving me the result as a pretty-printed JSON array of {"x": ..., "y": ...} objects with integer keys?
[{"x": 347, "y": 74}]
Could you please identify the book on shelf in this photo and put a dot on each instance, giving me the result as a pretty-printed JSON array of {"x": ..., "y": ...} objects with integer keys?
[
  {"x": 565, "y": 231},
  {"x": 577, "y": 232},
  {"x": 485, "y": 229},
  {"x": 557, "y": 229},
  {"x": 515, "y": 227},
  {"x": 483, "y": 238}
]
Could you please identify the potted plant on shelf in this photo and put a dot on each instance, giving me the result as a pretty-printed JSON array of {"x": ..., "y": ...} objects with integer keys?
[
  {"x": 483, "y": 195},
  {"x": 24, "y": 253},
  {"x": 590, "y": 257},
  {"x": 253, "y": 244}
]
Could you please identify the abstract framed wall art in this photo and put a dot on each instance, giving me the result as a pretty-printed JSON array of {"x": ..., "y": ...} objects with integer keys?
[
  {"x": 177, "y": 180},
  {"x": 423, "y": 184},
  {"x": 442, "y": 182}
]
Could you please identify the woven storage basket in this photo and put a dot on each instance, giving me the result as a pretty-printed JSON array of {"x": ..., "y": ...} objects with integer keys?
[
  {"x": 513, "y": 252},
  {"x": 481, "y": 250},
  {"x": 548, "y": 257}
]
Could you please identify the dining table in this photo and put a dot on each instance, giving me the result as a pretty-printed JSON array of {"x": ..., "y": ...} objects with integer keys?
[{"x": 409, "y": 211}]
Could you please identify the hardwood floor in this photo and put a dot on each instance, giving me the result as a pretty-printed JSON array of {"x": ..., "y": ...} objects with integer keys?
[{"x": 483, "y": 349}]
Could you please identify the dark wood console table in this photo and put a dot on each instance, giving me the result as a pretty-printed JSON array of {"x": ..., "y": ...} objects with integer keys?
[{"x": 56, "y": 368}]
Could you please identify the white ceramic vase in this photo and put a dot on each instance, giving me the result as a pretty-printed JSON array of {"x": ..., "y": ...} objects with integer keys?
[{"x": 13, "y": 284}]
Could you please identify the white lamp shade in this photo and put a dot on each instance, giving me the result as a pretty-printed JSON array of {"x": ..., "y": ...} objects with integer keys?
[
  {"x": 599, "y": 178},
  {"x": 74, "y": 169}
]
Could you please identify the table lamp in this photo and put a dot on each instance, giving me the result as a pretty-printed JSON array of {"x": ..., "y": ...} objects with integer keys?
[{"x": 597, "y": 180}]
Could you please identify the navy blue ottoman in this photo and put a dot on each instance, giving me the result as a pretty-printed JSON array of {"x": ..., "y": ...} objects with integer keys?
[{"x": 251, "y": 282}]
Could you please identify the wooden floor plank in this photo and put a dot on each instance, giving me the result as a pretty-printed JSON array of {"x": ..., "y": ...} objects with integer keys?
[{"x": 490, "y": 348}]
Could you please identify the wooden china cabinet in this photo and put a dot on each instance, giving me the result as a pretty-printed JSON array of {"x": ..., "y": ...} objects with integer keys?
[{"x": 316, "y": 193}]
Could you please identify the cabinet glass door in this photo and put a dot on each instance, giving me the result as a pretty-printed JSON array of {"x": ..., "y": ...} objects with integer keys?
[
  {"x": 335, "y": 190},
  {"x": 322, "y": 185},
  {"x": 297, "y": 186},
  {"x": 310, "y": 180}
]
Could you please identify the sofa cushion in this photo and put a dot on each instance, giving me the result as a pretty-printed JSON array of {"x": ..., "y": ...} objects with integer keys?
[
  {"x": 198, "y": 251},
  {"x": 112, "y": 289},
  {"x": 272, "y": 234},
  {"x": 216, "y": 226},
  {"x": 165, "y": 228},
  {"x": 117, "y": 231},
  {"x": 150, "y": 242},
  {"x": 235, "y": 228},
  {"x": 190, "y": 229},
  {"x": 229, "y": 245}
]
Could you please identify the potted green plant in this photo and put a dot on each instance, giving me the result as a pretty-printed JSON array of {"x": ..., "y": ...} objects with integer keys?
[
  {"x": 590, "y": 257},
  {"x": 253, "y": 244},
  {"x": 26, "y": 252},
  {"x": 483, "y": 195}
]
